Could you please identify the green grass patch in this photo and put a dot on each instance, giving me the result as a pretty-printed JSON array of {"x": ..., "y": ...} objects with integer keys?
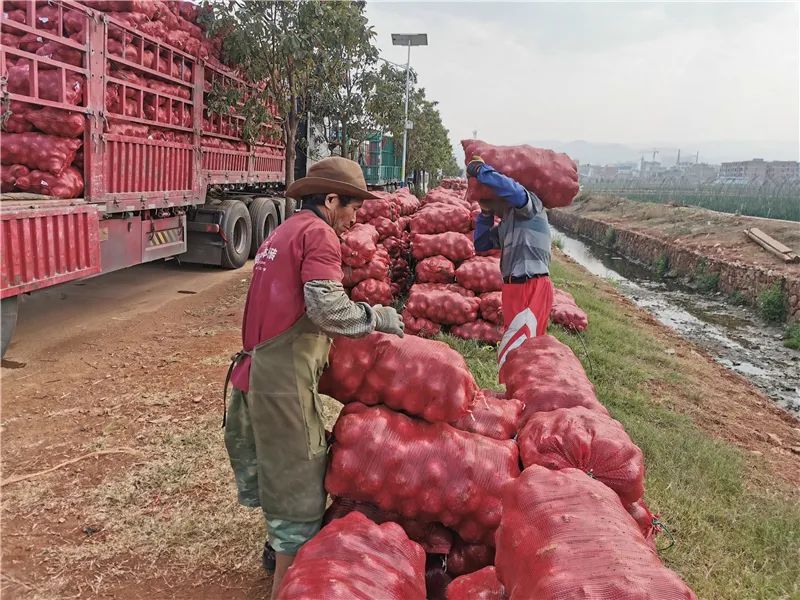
[
  {"x": 662, "y": 266},
  {"x": 610, "y": 237},
  {"x": 772, "y": 303},
  {"x": 792, "y": 339},
  {"x": 735, "y": 539},
  {"x": 737, "y": 298}
]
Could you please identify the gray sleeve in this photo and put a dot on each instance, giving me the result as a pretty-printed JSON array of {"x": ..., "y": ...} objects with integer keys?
[
  {"x": 532, "y": 208},
  {"x": 329, "y": 308}
]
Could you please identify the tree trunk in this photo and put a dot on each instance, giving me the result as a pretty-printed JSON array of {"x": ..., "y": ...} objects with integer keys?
[{"x": 290, "y": 133}]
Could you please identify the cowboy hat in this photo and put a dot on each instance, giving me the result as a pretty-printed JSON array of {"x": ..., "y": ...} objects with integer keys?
[{"x": 334, "y": 175}]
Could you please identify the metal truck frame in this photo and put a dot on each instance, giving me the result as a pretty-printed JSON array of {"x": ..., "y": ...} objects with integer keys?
[{"x": 211, "y": 201}]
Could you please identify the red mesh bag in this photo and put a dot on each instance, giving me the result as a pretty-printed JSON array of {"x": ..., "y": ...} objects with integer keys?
[
  {"x": 648, "y": 523},
  {"x": 435, "y": 269},
  {"x": 424, "y": 471},
  {"x": 480, "y": 585},
  {"x": 492, "y": 307},
  {"x": 479, "y": 330},
  {"x": 439, "y": 218},
  {"x": 377, "y": 268},
  {"x": 20, "y": 78},
  {"x": 453, "y": 183},
  {"x": 128, "y": 129},
  {"x": 9, "y": 175},
  {"x": 67, "y": 185},
  {"x": 53, "y": 121},
  {"x": 552, "y": 176},
  {"x": 467, "y": 558},
  {"x": 480, "y": 274},
  {"x": 39, "y": 151},
  {"x": 418, "y": 376},
  {"x": 405, "y": 202},
  {"x": 566, "y": 313},
  {"x": 359, "y": 244},
  {"x": 434, "y": 538},
  {"x": 61, "y": 53},
  {"x": 452, "y": 245},
  {"x": 492, "y": 416},
  {"x": 372, "y": 209},
  {"x": 396, "y": 246},
  {"x": 444, "y": 196},
  {"x": 372, "y": 291},
  {"x": 419, "y": 326},
  {"x": 565, "y": 535},
  {"x": 386, "y": 227},
  {"x": 586, "y": 440},
  {"x": 442, "y": 306},
  {"x": 546, "y": 375},
  {"x": 30, "y": 42},
  {"x": 356, "y": 558},
  {"x": 17, "y": 120},
  {"x": 438, "y": 287},
  {"x": 10, "y": 40}
]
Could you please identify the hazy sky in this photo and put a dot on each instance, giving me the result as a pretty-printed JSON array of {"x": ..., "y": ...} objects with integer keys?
[{"x": 634, "y": 73}]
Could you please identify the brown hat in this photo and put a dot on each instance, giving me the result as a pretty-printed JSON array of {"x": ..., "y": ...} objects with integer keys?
[{"x": 334, "y": 175}]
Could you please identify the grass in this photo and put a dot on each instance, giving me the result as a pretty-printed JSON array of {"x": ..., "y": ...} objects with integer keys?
[
  {"x": 707, "y": 282},
  {"x": 737, "y": 298},
  {"x": 662, "y": 266},
  {"x": 792, "y": 339},
  {"x": 772, "y": 303},
  {"x": 558, "y": 242},
  {"x": 610, "y": 238},
  {"x": 735, "y": 539}
]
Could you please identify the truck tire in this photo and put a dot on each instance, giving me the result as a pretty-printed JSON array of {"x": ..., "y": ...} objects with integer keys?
[
  {"x": 238, "y": 232},
  {"x": 9, "y": 308},
  {"x": 265, "y": 219}
]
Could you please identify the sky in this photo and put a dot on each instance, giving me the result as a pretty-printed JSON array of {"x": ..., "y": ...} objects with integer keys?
[{"x": 719, "y": 78}]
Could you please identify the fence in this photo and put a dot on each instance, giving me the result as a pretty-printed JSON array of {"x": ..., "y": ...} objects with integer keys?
[{"x": 774, "y": 200}]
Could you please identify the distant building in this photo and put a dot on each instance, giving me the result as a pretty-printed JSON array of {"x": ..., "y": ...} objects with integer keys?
[
  {"x": 759, "y": 170},
  {"x": 649, "y": 169}
]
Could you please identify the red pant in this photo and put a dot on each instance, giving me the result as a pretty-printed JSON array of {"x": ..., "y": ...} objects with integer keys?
[{"x": 526, "y": 310}]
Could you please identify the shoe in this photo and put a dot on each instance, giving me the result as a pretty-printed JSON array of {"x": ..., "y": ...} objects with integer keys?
[{"x": 268, "y": 558}]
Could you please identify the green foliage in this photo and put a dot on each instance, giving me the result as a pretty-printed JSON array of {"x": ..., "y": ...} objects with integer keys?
[
  {"x": 706, "y": 281},
  {"x": 558, "y": 242},
  {"x": 792, "y": 339},
  {"x": 772, "y": 303},
  {"x": 429, "y": 147},
  {"x": 662, "y": 266},
  {"x": 737, "y": 298},
  {"x": 610, "y": 237},
  {"x": 388, "y": 87}
]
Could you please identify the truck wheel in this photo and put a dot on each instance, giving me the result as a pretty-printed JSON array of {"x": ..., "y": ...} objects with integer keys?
[
  {"x": 238, "y": 230},
  {"x": 265, "y": 220},
  {"x": 9, "y": 307}
]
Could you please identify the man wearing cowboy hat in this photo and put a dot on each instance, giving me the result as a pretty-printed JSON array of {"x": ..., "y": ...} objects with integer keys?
[{"x": 295, "y": 305}]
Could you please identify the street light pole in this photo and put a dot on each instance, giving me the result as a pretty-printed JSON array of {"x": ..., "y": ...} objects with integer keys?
[
  {"x": 405, "y": 120},
  {"x": 408, "y": 40}
]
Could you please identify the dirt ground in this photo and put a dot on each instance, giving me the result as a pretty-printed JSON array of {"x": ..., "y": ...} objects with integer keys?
[
  {"x": 157, "y": 517},
  {"x": 712, "y": 233}
]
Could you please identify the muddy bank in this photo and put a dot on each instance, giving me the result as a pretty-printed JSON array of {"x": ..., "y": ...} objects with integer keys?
[
  {"x": 733, "y": 335},
  {"x": 726, "y": 272}
]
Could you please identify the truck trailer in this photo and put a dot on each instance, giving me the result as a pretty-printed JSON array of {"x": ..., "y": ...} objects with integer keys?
[{"x": 163, "y": 176}]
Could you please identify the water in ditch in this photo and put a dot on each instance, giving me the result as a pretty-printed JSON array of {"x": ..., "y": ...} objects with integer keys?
[{"x": 733, "y": 335}]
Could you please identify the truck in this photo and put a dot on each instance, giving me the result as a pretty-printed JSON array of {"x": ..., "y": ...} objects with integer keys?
[
  {"x": 163, "y": 176},
  {"x": 379, "y": 162}
]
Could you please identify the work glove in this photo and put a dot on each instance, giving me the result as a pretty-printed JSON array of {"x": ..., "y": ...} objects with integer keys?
[
  {"x": 387, "y": 320},
  {"x": 474, "y": 166}
]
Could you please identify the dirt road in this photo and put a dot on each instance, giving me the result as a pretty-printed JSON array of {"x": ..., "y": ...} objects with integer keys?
[{"x": 135, "y": 383}]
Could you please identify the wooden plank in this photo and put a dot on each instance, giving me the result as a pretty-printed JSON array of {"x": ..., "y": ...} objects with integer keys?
[
  {"x": 789, "y": 257},
  {"x": 771, "y": 241}
]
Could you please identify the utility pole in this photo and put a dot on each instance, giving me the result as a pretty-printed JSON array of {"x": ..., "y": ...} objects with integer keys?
[{"x": 408, "y": 40}]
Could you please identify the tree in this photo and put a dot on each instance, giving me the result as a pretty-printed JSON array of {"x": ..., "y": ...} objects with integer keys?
[
  {"x": 348, "y": 78},
  {"x": 385, "y": 101},
  {"x": 291, "y": 48},
  {"x": 429, "y": 146}
]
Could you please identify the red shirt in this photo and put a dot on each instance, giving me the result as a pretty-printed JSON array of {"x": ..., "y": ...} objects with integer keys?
[{"x": 302, "y": 249}]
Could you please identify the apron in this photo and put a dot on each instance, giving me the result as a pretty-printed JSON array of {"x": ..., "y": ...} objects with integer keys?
[{"x": 286, "y": 415}]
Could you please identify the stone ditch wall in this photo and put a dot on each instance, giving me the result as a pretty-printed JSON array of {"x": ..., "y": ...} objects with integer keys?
[{"x": 748, "y": 280}]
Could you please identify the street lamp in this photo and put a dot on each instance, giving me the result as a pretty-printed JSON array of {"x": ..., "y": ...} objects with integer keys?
[{"x": 407, "y": 39}]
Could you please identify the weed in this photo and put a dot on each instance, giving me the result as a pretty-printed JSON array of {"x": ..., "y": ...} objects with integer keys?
[
  {"x": 662, "y": 266},
  {"x": 558, "y": 242},
  {"x": 737, "y": 298},
  {"x": 610, "y": 237},
  {"x": 792, "y": 339},
  {"x": 772, "y": 303}
]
